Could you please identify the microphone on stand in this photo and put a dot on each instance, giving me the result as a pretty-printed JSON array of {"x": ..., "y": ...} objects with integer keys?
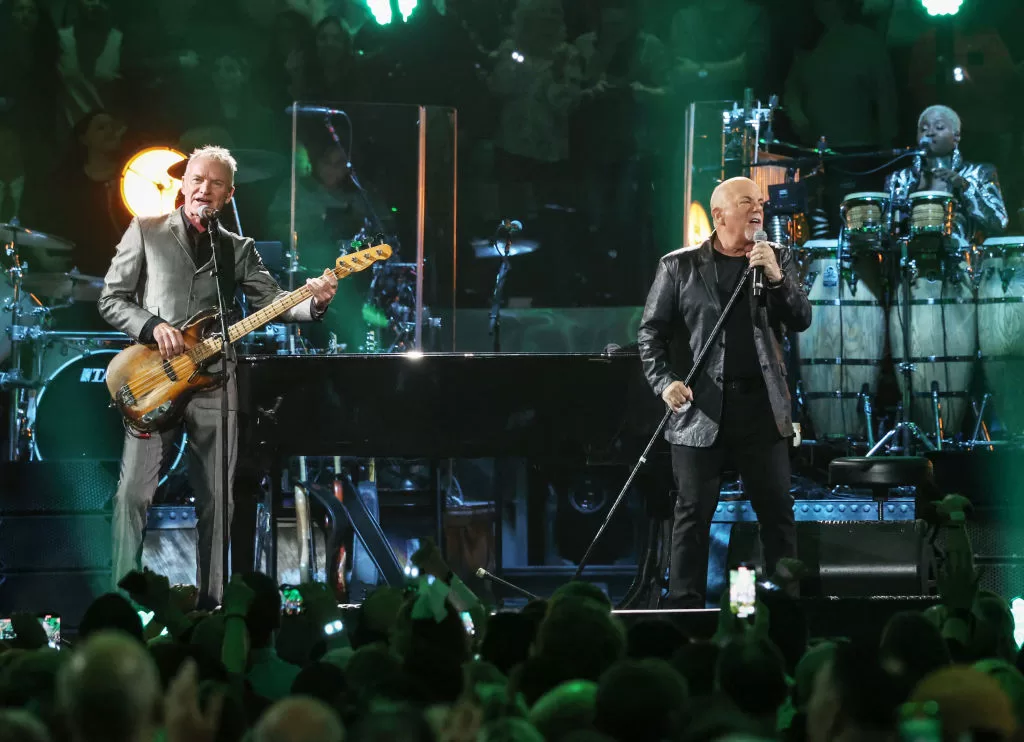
[
  {"x": 483, "y": 574},
  {"x": 207, "y": 214},
  {"x": 757, "y": 274}
]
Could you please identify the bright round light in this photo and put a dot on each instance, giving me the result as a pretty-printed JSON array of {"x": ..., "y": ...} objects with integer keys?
[
  {"x": 146, "y": 188},
  {"x": 942, "y": 7},
  {"x": 699, "y": 226}
]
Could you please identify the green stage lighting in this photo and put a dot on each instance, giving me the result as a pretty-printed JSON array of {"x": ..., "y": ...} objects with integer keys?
[
  {"x": 1017, "y": 609},
  {"x": 406, "y": 7},
  {"x": 942, "y": 7},
  {"x": 381, "y": 10}
]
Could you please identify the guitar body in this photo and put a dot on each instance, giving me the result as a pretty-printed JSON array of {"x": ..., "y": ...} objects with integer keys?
[{"x": 150, "y": 392}]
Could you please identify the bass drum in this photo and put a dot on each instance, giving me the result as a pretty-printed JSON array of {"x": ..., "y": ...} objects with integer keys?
[
  {"x": 841, "y": 352},
  {"x": 71, "y": 417}
]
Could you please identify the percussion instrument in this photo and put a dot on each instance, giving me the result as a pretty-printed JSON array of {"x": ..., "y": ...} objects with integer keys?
[
  {"x": 931, "y": 212},
  {"x": 942, "y": 343},
  {"x": 58, "y": 287},
  {"x": 841, "y": 352},
  {"x": 864, "y": 218},
  {"x": 69, "y": 416},
  {"x": 1001, "y": 326},
  {"x": 41, "y": 251}
]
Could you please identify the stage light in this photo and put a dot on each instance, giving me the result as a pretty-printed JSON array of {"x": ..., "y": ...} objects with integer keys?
[
  {"x": 942, "y": 7},
  {"x": 1017, "y": 609},
  {"x": 381, "y": 10},
  {"x": 698, "y": 226},
  {"x": 147, "y": 189},
  {"x": 406, "y": 8}
]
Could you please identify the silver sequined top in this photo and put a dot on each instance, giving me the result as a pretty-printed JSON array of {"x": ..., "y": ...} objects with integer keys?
[{"x": 979, "y": 207}]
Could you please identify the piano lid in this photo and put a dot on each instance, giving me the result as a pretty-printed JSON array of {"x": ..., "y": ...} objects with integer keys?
[{"x": 441, "y": 405}]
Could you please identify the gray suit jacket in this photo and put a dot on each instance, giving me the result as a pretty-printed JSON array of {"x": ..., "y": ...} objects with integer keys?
[
  {"x": 682, "y": 308},
  {"x": 153, "y": 275}
]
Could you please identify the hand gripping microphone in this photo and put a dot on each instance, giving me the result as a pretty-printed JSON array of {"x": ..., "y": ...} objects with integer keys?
[{"x": 757, "y": 274}]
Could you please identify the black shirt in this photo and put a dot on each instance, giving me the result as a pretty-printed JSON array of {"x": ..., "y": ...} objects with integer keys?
[
  {"x": 199, "y": 242},
  {"x": 740, "y": 352}
]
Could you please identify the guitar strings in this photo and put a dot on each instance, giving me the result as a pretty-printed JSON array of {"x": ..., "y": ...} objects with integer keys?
[{"x": 149, "y": 381}]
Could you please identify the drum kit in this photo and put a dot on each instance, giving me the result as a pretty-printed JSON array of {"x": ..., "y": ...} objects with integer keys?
[
  {"x": 899, "y": 278},
  {"x": 58, "y": 406}
]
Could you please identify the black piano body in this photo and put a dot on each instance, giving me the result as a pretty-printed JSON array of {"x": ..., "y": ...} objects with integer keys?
[{"x": 585, "y": 408}]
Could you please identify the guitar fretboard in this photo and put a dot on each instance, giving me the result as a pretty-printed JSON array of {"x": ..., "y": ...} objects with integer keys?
[{"x": 346, "y": 265}]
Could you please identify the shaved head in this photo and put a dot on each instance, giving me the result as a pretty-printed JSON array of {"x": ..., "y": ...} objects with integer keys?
[
  {"x": 727, "y": 188},
  {"x": 737, "y": 210},
  {"x": 299, "y": 719}
]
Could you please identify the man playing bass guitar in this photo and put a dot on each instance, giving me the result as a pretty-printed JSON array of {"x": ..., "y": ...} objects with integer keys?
[{"x": 163, "y": 274}]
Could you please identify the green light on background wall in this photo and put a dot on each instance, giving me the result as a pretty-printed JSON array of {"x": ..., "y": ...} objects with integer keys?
[{"x": 942, "y": 7}]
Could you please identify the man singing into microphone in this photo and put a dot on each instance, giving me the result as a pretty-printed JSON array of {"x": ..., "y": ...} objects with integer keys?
[
  {"x": 975, "y": 187},
  {"x": 162, "y": 274},
  {"x": 737, "y": 411}
]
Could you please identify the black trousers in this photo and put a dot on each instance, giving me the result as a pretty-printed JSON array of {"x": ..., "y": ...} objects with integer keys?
[{"x": 748, "y": 442}]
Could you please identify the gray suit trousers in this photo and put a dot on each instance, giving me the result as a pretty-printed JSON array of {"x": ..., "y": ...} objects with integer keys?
[{"x": 140, "y": 473}]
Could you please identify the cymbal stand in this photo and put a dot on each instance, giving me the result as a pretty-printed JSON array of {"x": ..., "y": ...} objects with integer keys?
[{"x": 13, "y": 380}]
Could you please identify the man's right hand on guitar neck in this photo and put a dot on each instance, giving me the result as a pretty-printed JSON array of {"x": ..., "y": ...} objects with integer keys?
[{"x": 169, "y": 339}]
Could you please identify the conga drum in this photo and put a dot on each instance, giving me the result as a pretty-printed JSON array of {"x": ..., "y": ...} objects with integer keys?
[
  {"x": 1001, "y": 327},
  {"x": 864, "y": 217},
  {"x": 931, "y": 212},
  {"x": 943, "y": 343},
  {"x": 841, "y": 352}
]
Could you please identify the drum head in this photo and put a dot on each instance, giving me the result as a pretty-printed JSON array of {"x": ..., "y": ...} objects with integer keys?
[
  {"x": 74, "y": 419},
  {"x": 931, "y": 196},
  {"x": 866, "y": 196}
]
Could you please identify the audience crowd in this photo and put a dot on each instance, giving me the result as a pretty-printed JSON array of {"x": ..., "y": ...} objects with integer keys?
[{"x": 429, "y": 662}]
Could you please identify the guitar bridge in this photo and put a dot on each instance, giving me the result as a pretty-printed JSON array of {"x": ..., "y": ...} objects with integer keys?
[{"x": 126, "y": 396}]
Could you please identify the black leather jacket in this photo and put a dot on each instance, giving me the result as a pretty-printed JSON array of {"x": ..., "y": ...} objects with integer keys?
[{"x": 682, "y": 308}]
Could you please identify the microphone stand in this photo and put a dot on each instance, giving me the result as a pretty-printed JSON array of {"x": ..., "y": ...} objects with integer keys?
[
  {"x": 715, "y": 331},
  {"x": 499, "y": 287},
  {"x": 225, "y": 354}
]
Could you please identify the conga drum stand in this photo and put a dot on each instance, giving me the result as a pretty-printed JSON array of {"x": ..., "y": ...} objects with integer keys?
[{"x": 905, "y": 428}]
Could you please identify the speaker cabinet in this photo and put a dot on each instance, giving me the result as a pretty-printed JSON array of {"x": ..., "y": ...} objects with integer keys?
[
  {"x": 55, "y": 536},
  {"x": 851, "y": 559}
]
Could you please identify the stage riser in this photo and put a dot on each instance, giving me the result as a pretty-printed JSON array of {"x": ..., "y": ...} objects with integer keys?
[{"x": 859, "y": 619}]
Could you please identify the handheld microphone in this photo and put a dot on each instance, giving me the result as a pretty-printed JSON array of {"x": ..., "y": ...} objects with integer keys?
[
  {"x": 323, "y": 110},
  {"x": 757, "y": 274},
  {"x": 483, "y": 574},
  {"x": 207, "y": 213}
]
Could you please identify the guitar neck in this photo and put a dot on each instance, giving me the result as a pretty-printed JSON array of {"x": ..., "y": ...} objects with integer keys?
[{"x": 346, "y": 265}]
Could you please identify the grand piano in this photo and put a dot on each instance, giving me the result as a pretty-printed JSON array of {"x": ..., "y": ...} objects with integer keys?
[{"x": 594, "y": 408}]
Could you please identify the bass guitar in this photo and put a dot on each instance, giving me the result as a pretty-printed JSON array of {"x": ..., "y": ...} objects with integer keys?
[{"x": 151, "y": 392}]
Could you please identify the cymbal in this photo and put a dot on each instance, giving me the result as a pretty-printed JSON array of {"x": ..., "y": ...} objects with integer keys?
[
  {"x": 61, "y": 286},
  {"x": 485, "y": 249},
  {"x": 254, "y": 165},
  {"x": 28, "y": 240}
]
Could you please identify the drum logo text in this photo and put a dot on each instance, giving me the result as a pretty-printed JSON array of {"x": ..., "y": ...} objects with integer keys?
[{"x": 93, "y": 376}]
